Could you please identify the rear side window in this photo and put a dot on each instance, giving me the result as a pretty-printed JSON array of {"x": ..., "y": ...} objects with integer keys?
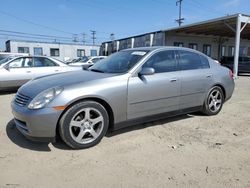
[
  {"x": 190, "y": 60},
  {"x": 204, "y": 62},
  {"x": 162, "y": 61},
  {"x": 43, "y": 62}
]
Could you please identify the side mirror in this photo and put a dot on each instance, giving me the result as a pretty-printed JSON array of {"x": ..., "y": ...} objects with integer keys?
[
  {"x": 147, "y": 71},
  {"x": 7, "y": 67}
]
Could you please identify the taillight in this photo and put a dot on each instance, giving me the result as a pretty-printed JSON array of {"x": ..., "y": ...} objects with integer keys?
[{"x": 231, "y": 74}]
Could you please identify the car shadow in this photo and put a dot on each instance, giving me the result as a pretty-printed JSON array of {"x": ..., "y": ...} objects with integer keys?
[
  {"x": 17, "y": 138},
  {"x": 8, "y": 92},
  {"x": 149, "y": 124}
]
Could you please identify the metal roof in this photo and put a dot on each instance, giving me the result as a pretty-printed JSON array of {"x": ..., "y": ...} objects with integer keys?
[
  {"x": 215, "y": 27},
  {"x": 222, "y": 26}
]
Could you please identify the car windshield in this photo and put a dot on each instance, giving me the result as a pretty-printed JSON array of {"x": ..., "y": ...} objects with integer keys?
[
  {"x": 2, "y": 61},
  {"x": 120, "y": 62}
]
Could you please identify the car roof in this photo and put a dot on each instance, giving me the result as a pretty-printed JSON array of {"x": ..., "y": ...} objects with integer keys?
[{"x": 150, "y": 49}]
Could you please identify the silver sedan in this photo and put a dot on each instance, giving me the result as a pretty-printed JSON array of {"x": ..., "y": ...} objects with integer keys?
[
  {"x": 126, "y": 88},
  {"x": 16, "y": 71}
]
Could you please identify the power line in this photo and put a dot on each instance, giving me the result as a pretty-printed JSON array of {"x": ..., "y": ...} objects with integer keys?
[
  {"x": 33, "y": 23},
  {"x": 32, "y": 34}
]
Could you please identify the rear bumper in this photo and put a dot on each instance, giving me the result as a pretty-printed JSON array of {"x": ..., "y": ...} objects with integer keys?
[{"x": 36, "y": 125}]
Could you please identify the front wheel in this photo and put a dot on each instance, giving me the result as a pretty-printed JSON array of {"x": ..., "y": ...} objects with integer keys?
[
  {"x": 214, "y": 101},
  {"x": 84, "y": 124}
]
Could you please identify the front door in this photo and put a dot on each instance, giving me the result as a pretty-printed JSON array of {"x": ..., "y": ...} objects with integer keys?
[
  {"x": 19, "y": 71},
  {"x": 157, "y": 93}
]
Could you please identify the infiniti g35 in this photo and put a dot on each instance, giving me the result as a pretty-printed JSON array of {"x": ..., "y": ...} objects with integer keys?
[{"x": 128, "y": 87}]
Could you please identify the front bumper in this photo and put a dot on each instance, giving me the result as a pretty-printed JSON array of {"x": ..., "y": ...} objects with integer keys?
[{"x": 38, "y": 125}]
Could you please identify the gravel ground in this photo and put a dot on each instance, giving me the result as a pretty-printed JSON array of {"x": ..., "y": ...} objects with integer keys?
[{"x": 184, "y": 151}]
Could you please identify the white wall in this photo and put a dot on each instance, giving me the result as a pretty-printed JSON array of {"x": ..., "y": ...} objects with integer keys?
[{"x": 65, "y": 50}]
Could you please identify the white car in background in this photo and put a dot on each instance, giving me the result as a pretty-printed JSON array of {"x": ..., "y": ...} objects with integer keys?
[
  {"x": 88, "y": 61},
  {"x": 19, "y": 70}
]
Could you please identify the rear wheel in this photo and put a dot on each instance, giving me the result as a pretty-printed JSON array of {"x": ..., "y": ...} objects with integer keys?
[
  {"x": 214, "y": 101},
  {"x": 84, "y": 125}
]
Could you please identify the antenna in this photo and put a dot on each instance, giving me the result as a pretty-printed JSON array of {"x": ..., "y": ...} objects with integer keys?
[{"x": 180, "y": 20}]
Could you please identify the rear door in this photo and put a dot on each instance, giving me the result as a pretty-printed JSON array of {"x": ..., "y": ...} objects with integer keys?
[
  {"x": 196, "y": 78},
  {"x": 157, "y": 93},
  {"x": 19, "y": 72}
]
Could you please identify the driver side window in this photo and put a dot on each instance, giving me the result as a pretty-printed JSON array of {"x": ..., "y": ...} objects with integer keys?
[{"x": 163, "y": 61}]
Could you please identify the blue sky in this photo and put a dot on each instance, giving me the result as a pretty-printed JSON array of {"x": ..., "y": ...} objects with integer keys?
[{"x": 122, "y": 17}]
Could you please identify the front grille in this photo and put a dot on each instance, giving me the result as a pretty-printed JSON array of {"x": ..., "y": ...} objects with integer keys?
[{"x": 22, "y": 100}]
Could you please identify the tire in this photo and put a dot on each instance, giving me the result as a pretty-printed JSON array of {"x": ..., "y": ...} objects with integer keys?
[
  {"x": 84, "y": 124},
  {"x": 214, "y": 101}
]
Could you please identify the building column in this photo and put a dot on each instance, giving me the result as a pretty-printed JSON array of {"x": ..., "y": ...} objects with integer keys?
[{"x": 237, "y": 46}]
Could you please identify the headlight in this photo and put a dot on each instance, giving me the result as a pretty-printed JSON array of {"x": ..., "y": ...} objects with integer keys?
[{"x": 44, "y": 98}]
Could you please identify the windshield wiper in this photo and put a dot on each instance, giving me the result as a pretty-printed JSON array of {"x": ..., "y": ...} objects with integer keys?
[{"x": 96, "y": 70}]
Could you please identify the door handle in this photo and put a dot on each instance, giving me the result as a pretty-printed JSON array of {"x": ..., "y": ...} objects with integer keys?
[
  {"x": 28, "y": 71},
  {"x": 173, "y": 79},
  {"x": 56, "y": 70},
  {"x": 209, "y": 75}
]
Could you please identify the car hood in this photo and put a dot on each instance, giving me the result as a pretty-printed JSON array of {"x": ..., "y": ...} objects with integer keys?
[{"x": 35, "y": 86}]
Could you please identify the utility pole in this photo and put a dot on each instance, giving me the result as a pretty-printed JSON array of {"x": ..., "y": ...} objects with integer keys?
[
  {"x": 75, "y": 38},
  {"x": 180, "y": 20},
  {"x": 84, "y": 38},
  {"x": 112, "y": 36},
  {"x": 93, "y": 33}
]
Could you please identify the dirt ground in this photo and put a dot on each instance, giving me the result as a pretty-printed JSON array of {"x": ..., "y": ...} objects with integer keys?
[{"x": 185, "y": 151}]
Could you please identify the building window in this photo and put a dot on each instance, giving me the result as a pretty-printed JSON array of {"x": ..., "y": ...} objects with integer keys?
[
  {"x": 193, "y": 46},
  {"x": 54, "y": 52},
  {"x": 207, "y": 49},
  {"x": 80, "y": 53},
  {"x": 23, "y": 50},
  {"x": 38, "y": 51},
  {"x": 93, "y": 52},
  {"x": 248, "y": 51},
  {"x": 230, "y": 50},
  {"x": 223, "y": 51},
  {"x": 179, "y": 44}
]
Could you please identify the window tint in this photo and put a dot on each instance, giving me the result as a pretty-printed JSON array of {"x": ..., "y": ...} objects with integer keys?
[
  {"x": 17, "y": 63},
  {"x": 54, "y": 52},
  {"x": 38, "y": 51},
  {"x": 43, "y": 62},
  {"x": 80, "y": 52},
  {"x": 179, "y": 44},
  {"x": 28, "y": 62},
  {"x": 93, "y": 52},
  {"x": 207, "y": 49},
  {"x": 162, "y": 62},
  {"x": 23, "y": 49},
  {"x": 191, "y": 60},
  {"x": 204, "y": 62},
  {"x": 193, "y": 46}
]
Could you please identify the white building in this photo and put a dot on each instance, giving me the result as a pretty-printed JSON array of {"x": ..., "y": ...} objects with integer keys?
[{"x": 62, "y": 51}]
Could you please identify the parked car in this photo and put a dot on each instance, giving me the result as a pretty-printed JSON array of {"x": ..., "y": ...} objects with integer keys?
[
  {"x": 88, "y": 61},
  {"x": 243, "y": 66},
  {"x": 129, "y": 87},
  {"x": 17, "y": 71},
  {"x": 83, "y": 58}
]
